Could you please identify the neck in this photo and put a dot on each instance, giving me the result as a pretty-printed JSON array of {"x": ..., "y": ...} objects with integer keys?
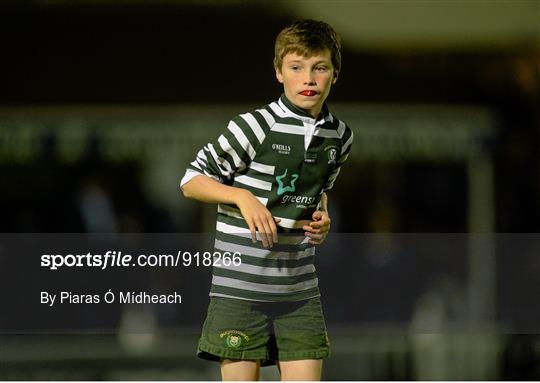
[{"x": 312, "y": 113}]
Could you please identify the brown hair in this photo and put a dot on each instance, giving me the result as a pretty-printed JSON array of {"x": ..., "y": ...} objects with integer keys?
[{"x": 305, "y": 38}]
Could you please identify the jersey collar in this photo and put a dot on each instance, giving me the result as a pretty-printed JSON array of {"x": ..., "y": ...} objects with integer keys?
[{"x": 293, "y": 111}]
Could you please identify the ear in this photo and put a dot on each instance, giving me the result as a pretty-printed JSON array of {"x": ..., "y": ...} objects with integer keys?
[
  {"x": 335, "y": 77},
  {"x": 279, "y": 75}
]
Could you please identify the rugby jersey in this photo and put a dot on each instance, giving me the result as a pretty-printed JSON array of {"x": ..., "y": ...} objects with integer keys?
[{"x": 287, "y": 159}]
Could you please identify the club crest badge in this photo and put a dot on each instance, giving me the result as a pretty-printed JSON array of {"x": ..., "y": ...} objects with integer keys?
[
  {"x": 234, "y": 338},
  {"x": 332, "y": 153}
]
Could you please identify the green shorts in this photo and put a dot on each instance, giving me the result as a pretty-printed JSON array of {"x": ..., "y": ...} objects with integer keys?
[{"x": 265, "y": 331}]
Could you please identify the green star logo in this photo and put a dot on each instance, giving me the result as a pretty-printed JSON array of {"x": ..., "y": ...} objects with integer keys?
[{"x": 291, "y": 187}]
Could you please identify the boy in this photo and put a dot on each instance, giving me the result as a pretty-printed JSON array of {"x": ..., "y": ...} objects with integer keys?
[{"x": 269, "y": 173}]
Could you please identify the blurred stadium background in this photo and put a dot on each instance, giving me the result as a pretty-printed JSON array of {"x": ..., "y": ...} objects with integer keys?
[{"x": 103, "y": 103}]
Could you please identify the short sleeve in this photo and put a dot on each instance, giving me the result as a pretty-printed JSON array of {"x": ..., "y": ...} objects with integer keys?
[{"x": 231, "y": 153}]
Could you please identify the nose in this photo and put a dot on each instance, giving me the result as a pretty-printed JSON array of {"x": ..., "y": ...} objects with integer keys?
[{"x": 309, "y": 78}]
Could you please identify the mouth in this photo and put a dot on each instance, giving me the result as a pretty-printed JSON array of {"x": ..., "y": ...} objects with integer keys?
[{"x": 308, "y": 93}]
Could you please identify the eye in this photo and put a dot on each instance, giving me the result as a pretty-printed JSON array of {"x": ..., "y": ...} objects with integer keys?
[
  {"x": 321, "y": 69},
  {"x": 295, "y": 67}
]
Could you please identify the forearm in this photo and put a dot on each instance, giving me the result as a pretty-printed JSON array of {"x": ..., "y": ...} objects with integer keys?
[
  {"x": 256, "y": 215},
  {"x": 324, "y": 202},
  {"x": 206, "y": 189}
]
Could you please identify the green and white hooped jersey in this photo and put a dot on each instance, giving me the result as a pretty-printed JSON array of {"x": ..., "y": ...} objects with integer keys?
[{"x": 287, "y": 159}]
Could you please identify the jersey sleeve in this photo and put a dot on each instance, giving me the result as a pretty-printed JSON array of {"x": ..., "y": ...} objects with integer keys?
[
  {"x": 230, "y": 154},
  {"x": 347, "y": 138}
]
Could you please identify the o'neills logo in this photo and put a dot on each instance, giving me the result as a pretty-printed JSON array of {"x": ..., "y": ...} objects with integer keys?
[
  {"x": 297, "y": 199},
  {"x": 281, "y": 149}
]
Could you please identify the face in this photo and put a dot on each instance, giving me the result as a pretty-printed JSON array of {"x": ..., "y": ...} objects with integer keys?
[{"x": 307, "y": 81}]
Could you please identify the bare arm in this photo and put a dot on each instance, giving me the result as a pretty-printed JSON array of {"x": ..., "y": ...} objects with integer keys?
[
  {"x": 324, "y": 202},
  {"x": 257, "y": 216},
  {"x": 208, "y": 190}
]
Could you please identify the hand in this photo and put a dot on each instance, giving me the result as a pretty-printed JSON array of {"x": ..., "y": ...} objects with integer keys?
[
  {"x": 318, "y": 229},
  {"x": 258, "y": 218}
]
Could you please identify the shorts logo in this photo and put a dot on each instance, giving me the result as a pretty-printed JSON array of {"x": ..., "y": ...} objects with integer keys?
[
  {"x": 233, "y": 341},
  {"x": 291, "y": 187},
  {"x": 234, "y": 338}
]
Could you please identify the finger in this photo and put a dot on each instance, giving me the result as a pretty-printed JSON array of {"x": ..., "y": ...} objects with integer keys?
[
  {"x": 319, "y": 224},
  {"x": 274, "y": 229},
  {"x": 317, "y": 241},
  {"x": 268, "y": 231},
  {"x": 262, "y": 235},
  {"x": 313, "y": 236},
  {"x": 317, "y": 215},
  {"x": 262, "y": 232},
  {"x": 323, "y": 229},
  {"x": 252, "y": 230},
  {"x": 265, "y": 229},
  {"x": 310, "y": 229}
]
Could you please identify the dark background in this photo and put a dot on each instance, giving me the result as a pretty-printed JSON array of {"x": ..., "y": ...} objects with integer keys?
[
  {"x": 68, "y": 58},
  {"x": 169, "y": 53}
]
